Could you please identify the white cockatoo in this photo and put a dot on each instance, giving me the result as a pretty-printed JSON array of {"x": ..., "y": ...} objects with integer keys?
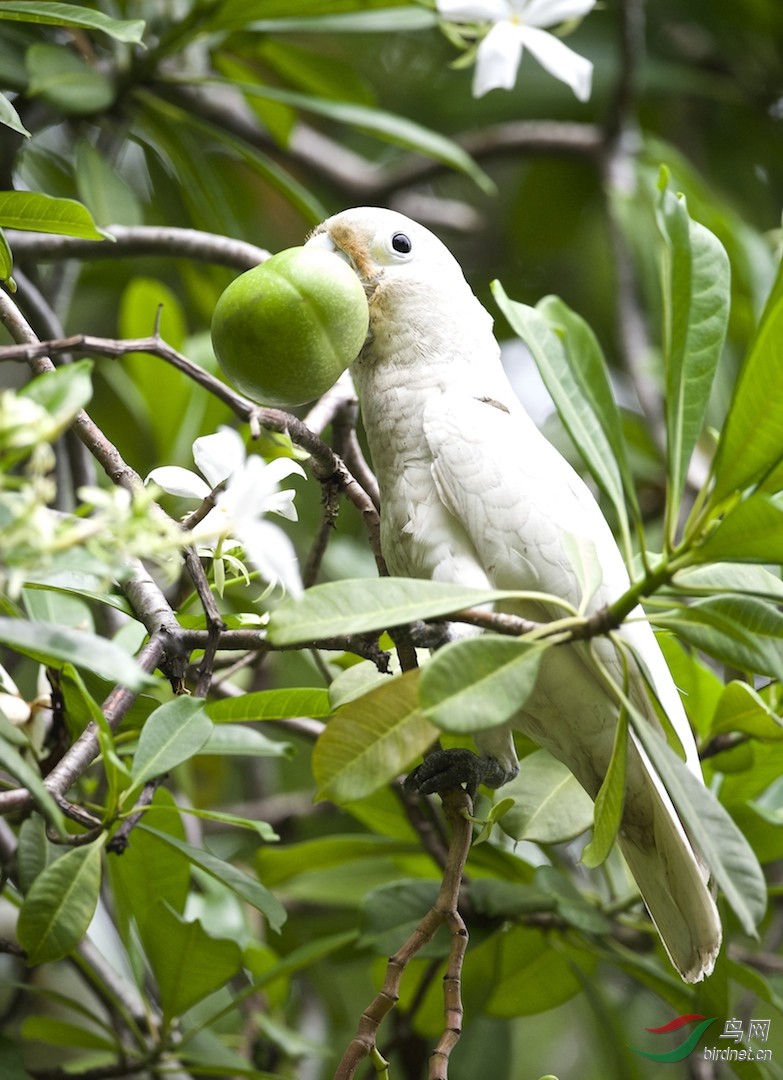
[{"x": 472, "y": 493}]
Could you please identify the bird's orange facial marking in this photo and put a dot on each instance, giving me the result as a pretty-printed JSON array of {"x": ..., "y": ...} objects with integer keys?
[{"x": 345, "y": 238}]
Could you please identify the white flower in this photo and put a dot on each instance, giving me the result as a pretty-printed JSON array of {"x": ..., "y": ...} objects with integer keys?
[
  {"x": 518, "y": 24},
  {"x": 251, "y": 490}
]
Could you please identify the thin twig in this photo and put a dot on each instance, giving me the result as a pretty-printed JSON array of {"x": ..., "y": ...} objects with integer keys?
[
  {"x": 119, "y": 842},
  {"x": 325, "y": 463},
  {"x": 458, "y": 807},
  {"x": 86, "y": 748},
  {"x": 212, "y": 615}
]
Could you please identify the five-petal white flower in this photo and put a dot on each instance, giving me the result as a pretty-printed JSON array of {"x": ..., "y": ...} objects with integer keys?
[
  {"x": 251, "y": 490},
  {"x": 516, "y": 25}
]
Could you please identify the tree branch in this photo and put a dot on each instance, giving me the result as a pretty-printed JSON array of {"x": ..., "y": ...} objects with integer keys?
[
  {"x": 86, "y": 748},
  {"x": 357, "y": 176},
  {"x": 325, "y": 463},
  {"x": 458, "y": 807},
  {"x": 126, "y": 240}
]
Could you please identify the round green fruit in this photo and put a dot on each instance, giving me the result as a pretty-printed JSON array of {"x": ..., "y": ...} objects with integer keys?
[{"x": 285, "y": 331}]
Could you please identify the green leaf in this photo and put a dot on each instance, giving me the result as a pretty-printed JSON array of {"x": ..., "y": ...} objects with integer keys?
[
  {"x": 116, "y": 773},
  {"x": 62, "y": 392},
  {"x": 315, "y": 73},
  {"x": 589, "y": 370},
  {"x": 609, "y": 802},
  {"x": 479, "y": 682},
  {"x": 283, "y": 865},
  {"x": 41, "y": 213},
  {"x": 569, "y": 902},
  {"x": 582, "y": 397},
  {"x": 60, "y": 904},
  {"x": 720, "y": 843},
  {"x": 11, "y": 1059},
  {"x": 126, "y": 30},
  {"x": 392, "y": 912},
  {"x": 234, "y": 740},
  {"x": 166, "y": 126},
  {"x": 10, "y": 117},
  {"x": 365, "y": 604},
  {"x": 172, "y": 734},
  {"x": 299, "y": 959},
  {"x": 750, "y": 450},
  {"x": 56, "y": 645},
  {"x": 390, "y": 20},
  {"x": 57, "y": 1032},
  {"x": 527, "y": 975},
  {"x": 741, "y": 708},
  {"x": 261, "y": 828},
  {"x": 271, "y": 705},
  {"x": 509, "y": 899},
  {"x": 188, "y": 963},
  {"x": 103, "y": 190},
  {"x": 752, "y": 531},
  {"x": 491, "y": 818},
  {"x": 73, "y": 583},
  {"x": 741, "y": 631},
  {"x": 32, "y": 854},
  {"x": 6, "y": 263},
  {"x": 371, "y": 740},
  {"x": 148, "y": 858},
  {"x": 550, "y": 806},
  {"x": 65, "y": 81},
  {"x": 250, "y": 890},
  {"x": 727, "y": 578},
  {"x": 696, "y": 300},
  {"x": 384, "y": 125},
  {"x": 29, "y": 777}
]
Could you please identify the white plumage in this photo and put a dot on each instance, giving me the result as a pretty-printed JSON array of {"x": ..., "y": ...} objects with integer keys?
[{"x": 471, "y": 492}]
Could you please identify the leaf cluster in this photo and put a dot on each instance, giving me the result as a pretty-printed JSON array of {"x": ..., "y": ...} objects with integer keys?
[{"x": 174, "y": 899}]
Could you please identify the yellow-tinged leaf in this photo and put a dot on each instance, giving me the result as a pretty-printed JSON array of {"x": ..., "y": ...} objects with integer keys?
[{"x": 371, "y": 740}]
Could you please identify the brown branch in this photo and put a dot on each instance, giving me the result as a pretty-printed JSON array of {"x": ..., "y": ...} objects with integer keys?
[
  {"x": 359, "y": 177},
  {"x": 325, "y": 463},
  {"x": 327, "y": 525},
  {"x": 141, "y": 240},
  {"x": 458, "y": 807},
  {"x": 119, "y": 842},
  {"x": 86, "y": 748},
  {"x": 338, "y": 408},
  {"x": 341, "y": 400},
  {"x": 213, "y": 618}
]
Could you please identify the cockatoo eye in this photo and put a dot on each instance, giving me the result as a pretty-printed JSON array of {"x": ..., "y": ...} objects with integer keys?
[{"x": 401, "y": 243}]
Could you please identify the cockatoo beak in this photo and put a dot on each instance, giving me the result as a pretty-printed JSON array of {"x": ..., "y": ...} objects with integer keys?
[
  {"x": 342, "y": 238},
  {"x": 320, "y": 238},
  {"x": 324, "y": 240}
]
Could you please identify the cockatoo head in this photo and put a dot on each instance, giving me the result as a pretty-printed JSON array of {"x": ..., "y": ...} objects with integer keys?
[
  {"x": 383, "y": 247},
  {"x": 415, "y": 287}
]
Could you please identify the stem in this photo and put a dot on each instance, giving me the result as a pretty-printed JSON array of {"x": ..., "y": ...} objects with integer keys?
[{"x": 458, "y": 807}]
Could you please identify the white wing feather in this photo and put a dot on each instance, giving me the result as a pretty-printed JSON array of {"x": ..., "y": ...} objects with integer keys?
[
  {"x": 517, "y": 498},
  {"x": 471, "y": 492}
]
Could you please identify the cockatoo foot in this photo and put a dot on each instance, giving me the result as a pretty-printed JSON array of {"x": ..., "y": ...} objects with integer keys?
[
  {"x": 422, "y": 635},
  {"x": 444, "y": 769}
]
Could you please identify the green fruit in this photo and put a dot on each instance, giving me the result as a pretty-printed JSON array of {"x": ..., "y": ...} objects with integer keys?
[{"x": 285, "y": 331}]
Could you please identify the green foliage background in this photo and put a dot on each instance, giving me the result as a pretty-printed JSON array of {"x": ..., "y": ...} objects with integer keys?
[{"x": 244, "y": 929}]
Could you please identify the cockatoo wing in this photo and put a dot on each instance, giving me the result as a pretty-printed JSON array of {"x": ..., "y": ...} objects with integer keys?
[
  {"x": 526, "y": 511},
  {"x": 471, "y": 492}
]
